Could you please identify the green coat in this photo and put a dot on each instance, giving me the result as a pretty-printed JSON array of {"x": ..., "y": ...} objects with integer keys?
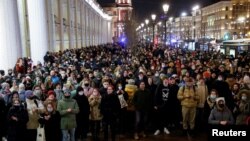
[{"x": 68, "y": 119}]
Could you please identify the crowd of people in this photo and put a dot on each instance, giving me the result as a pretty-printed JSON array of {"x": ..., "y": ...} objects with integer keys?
[{"x": 118, "y": 90}]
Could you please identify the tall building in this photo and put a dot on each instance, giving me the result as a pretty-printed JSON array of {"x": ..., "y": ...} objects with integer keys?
[
  {"x": 241, "y": 17},
  {"x": 121, "y": 11},
  {"x": 216, "y": 20}
]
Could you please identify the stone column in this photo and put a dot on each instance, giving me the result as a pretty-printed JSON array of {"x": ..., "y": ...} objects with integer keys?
[
  {"x": 10, "y": 37},
  {"x": 38, "y": 29}
]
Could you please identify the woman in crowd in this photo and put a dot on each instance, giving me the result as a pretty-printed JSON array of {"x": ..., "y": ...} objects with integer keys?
[
  {"x": 221, "y": 115},
  {"x": 95, "y": 114},
  {"x": 82, "y": 118},
  {"x": 51, "y": 122},
  {"x": 17, "y": 120}
]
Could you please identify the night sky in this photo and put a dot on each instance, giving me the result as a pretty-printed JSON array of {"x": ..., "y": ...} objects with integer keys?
[{"x": 144, "y": 8}]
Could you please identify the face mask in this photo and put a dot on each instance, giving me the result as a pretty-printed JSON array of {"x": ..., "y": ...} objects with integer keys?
[
  {"x": 157, "y": 75},
  {"x": 221, "y": 105},
  {"x": 140, "y": 77},
  {"x": 86, "y": 85},
  {"x": 212, "y": 97},
  {"x": 120, "y": 87},
  {"x": 244, "y": 98},
  {"x": 81, "y": 93},
  {"x": 17, "y": 105},
  {"x": 37, "y": 92},
  {"x": 50, "y": 109},
  {"x": 105, "y": 86},
  {"x": 67, "y": 97}
]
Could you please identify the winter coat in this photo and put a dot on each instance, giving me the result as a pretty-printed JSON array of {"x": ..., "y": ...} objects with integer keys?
[
  {"x": 68, "y": 119},
  {"x": 16, "y": 129},
  {"x": 141, "y": 100},
  {"x": 94, "y": 102},
  {"x": 218, "y": 115},
  {"x": 110, "y": 107},
  {"x": 84, "y": 108},
  {"x": 34, "y": 116},
  {"x": 52, "y": 126},
  {"x": 243, "y": 108},
  {"x": 130, "y": 89},
  {"x": 202, "y": 92},
  {"x": 191, "y": 101},
  {"x": 208, "y": 107}
]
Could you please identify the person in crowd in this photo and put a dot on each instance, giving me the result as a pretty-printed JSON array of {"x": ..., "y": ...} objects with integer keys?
[
  {"x": 221, "y": 115},
  {"x": 3, "y": 111},
  {"x": 87, "y": 89},
  {"x": 163, "y": 103},
  {"x": 246, "y": 83},
  {"x": 202, "y": 92},
  {"x": 110, "y": 107},
  {"x": 13, "y": 97},
  {"x": 95, "y": 114},
  {"x": 38, "y": 93},
  {"x": 175, "y": 111},
  {"x": 242, "y": 110},
  {"x": 68, "y": 109},
  {"x": 141, "y": 102},
  {"x": 21, "y": 92},
  {"x": 130, "y": 88},
  {"x": 188, "y": 97},
  {"x": 82, "y": 118},
  {"x": 51, "y": 98},
  {"x": 59, "y": 92},
  {"x": 5, "y": 91},
  {"x": 224, "y": 91},
  {"x": 17, "y": 119},
  {"x": 123, "y": 98},
  {"x": 51, "y": 121},
  {"x": 103, "y": 89},
  {"x": 210, "y": 103},
  {"x": 151, "y": 117},
  {"x": 34, "y": 107}
]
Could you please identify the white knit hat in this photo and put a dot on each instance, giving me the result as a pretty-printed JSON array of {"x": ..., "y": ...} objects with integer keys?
[{"x": 219, "y": 99}]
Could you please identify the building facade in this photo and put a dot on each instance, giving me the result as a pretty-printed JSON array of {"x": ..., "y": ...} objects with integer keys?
[
  {"x": 221, "y": 21},
  {"x": 121, "y": 12},
  {"x": 30, "y": 28},
  {"x": 216, "y": 20}
]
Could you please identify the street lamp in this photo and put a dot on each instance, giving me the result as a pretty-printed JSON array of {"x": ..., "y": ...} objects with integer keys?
[
  {"x": 195, "y": 8},
  {"x": 165, "y": 9},
  {"x": 153, "y": 16}
]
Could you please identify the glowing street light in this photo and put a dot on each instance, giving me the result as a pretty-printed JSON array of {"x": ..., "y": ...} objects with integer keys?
[{"x": 153, "y": 16}]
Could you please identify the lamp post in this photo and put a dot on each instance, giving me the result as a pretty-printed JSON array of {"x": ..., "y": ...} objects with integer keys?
[
  {"x": 165, "y": 9},
  {"x": 153, "y": 16},
  {"x": 146, "y": 22},
  {"x": 195, "y": 8}
]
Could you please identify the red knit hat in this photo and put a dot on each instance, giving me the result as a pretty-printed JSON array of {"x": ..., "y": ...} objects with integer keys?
[{"x": 51, "y": 92}]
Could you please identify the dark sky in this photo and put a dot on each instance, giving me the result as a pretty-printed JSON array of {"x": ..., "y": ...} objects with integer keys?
[{"x": 144, "y": 8}]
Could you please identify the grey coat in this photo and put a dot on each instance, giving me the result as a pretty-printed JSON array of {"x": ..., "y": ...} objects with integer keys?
[{"x": 217, "y": 115}]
